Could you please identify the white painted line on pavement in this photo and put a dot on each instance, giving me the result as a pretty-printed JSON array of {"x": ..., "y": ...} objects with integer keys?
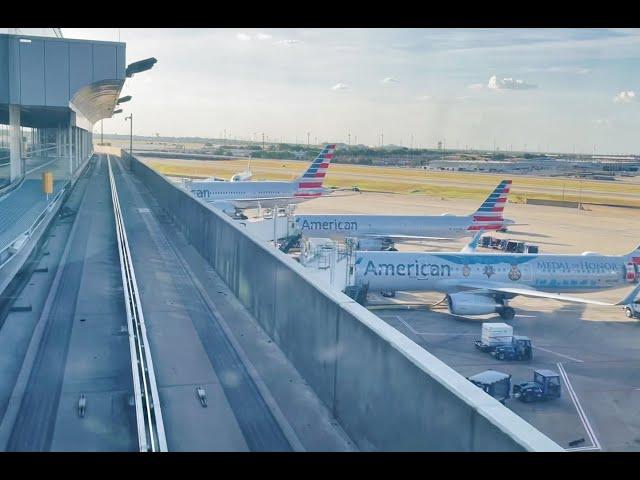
[
  {"x": 579, "y": 409},
  {"x": 559, "y": 354},
  {"x": 431, "y": 333}
]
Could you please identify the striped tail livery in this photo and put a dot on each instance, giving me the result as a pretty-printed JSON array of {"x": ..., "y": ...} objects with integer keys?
[
  {"x": 310, "y": 182},
  {"x": 489, "y": 215}
]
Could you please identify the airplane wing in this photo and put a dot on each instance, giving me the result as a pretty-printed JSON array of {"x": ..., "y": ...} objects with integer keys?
[
  {"x": 400, "y": 238},
  {"x": 245, "y": 201},
  {"x": 493, "y": 287}
]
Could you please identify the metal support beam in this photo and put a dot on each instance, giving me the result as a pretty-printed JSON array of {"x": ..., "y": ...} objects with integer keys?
[
  {"x": 15, "y": 143},
  {"x": 70, "y": 143}
]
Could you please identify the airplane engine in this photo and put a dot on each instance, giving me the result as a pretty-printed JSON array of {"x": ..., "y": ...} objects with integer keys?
[
  {"x": 472, "y": 304},
  {"x": 374, "y": 244}
]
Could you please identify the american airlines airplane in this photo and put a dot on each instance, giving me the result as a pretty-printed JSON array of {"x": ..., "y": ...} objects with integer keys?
[
  {"x": 380, "y": 232},
  {"x": 483, "y": 283},
  {"x": 237, "y": 195}
]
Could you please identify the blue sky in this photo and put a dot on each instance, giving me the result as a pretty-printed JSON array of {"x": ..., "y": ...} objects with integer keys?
[{"x": 553, "y": 89}]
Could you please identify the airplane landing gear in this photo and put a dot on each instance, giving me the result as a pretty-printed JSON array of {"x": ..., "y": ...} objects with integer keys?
[{"x": 507, "y": 313}]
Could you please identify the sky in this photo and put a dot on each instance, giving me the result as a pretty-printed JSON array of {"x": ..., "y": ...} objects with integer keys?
[{"x": 560, "y": 90}]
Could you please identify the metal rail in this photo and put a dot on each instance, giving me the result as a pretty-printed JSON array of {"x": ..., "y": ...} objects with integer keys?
[
  {"x": 151, "y": 435},
  {"x": 13, "y": 248}
]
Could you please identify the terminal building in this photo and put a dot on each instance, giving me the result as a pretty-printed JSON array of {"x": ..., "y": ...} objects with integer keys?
[{"x": 52, "y": 92}]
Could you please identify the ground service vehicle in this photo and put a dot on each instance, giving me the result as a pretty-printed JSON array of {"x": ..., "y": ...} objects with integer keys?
[
  {"x": 493, "y": 335},
  {"x": 509, "y": 246},
  {"x": 498, "y": 340},
  {"x": 519, "y": 349},
  {"x": 545, "y": 386},
  {"x": 632, "y": 310},
  {"x": 496, "y": 384}
]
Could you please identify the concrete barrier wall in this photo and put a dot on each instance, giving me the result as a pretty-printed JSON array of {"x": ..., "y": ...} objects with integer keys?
[{"x": 387, "y": 392}]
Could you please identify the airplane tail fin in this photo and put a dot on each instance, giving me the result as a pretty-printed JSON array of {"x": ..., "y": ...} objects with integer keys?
[
  {"x": 489, "y": 215},
  {"x": 310, "y": 182}
]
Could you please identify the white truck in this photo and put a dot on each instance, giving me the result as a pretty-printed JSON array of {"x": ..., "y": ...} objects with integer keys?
[
  {"x": 498, "y": 340},
  {"x": 493, "y": 335}
]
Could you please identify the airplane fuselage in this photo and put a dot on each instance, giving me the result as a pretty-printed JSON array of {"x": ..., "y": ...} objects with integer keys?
[
  {"x": 444, "y": 272},
  {"x": 266, "y": 194},
  {"x": 341, "y": 226}
]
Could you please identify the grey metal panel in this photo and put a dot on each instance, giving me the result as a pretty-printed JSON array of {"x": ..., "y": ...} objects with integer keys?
[
  {"x": 121, "y": 62},
  {"x": 4, "y": 70},
  {"x": 306, "y": 330},
  {"x": 14, "y": 71},
  {"x": 80, "y": 66},
  {"x": 256, "y": 285},
  {"x": 104, "y": 62},
  {"x": 32, "y": 77},
  {"x": 57, "y": 74},
  {"x": 432, "y": 418}
]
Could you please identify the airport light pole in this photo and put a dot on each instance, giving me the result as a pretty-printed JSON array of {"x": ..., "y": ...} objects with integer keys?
[{"x": 130, "y": 117}]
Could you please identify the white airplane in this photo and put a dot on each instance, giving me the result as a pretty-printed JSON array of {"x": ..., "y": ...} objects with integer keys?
[
  {"x": 483, "y": 283},
  {"x": 242, "y": 176},
  {"x": 238, "y": 195},
  {"x": 380, "y": 232},
  {"x": 236, "y": 177}
]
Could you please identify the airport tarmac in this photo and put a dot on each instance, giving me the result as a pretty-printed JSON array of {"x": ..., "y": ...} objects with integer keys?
[{"x": 595, "y": 348}]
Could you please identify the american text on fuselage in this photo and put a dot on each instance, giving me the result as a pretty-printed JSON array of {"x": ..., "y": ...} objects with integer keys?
[{"x": 553, "y": 273}]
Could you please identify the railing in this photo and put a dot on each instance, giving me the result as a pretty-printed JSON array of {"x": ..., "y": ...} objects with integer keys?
[
  {"x": 14, "y": 247},
  {"x": 151, "y": 435}
]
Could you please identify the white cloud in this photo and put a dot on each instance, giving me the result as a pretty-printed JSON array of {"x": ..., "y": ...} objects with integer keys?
[
  {"x": 290, "y": 41},
  {"x": 560, "y": 69},
  {"x": 340, "y": 86},
  {"x": 603, "y": 122},
  {"x": 390, "y": 81},
  {"x": 626, "y": 96},
  {"x": 476, "y": 86},
  {"x": 509, "y": 83},
  {"x": 245, "y": 37}
]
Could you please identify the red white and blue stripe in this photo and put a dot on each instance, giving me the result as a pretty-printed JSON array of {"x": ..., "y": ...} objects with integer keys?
[
  {"x": 489, "y": 215},
  {"x": 310, "y": 183}
]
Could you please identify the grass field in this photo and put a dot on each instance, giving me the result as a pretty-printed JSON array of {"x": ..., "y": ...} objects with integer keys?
[{"x": 412, "y": 181}]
